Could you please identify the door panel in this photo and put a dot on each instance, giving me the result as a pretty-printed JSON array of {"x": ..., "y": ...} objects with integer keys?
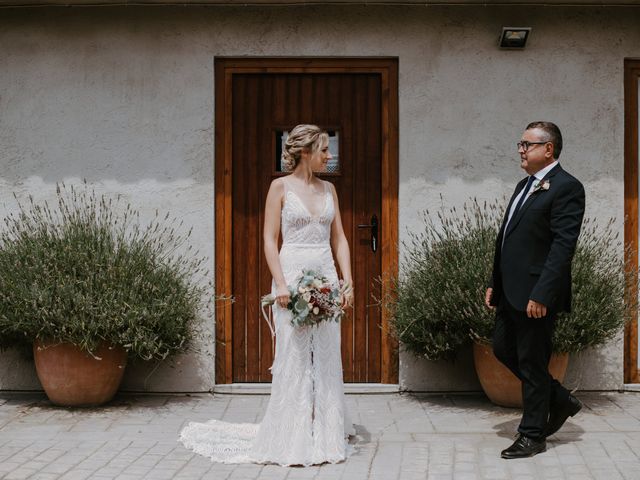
[
  {"x": 261, "y": 105},
  {"x": 632, "y": 223}
]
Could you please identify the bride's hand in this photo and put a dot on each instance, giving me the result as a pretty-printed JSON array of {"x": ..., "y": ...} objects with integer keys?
[
  {"x": 347, "y": 299},
  {"x": 282, "y": 296},
  {"x": 347, "y": 295}
]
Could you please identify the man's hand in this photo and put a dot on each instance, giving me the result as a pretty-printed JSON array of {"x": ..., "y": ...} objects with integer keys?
[
  {"x": 536, "y": 310},
  {"x": 487, "y": 298}
]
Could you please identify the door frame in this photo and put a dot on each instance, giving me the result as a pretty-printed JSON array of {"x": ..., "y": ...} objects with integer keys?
[
  {"x": 225, "y": 68},
  {"x": 631, "y": 76}
]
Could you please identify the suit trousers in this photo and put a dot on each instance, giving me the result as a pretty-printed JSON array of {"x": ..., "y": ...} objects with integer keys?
[{"x": 524, "y": 345}]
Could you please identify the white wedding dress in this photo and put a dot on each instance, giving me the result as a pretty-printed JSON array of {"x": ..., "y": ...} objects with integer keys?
[{"x": 306, "y": 422}]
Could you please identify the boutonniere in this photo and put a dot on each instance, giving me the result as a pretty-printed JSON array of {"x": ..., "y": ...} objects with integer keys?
[{"x": 541, "y": 185}]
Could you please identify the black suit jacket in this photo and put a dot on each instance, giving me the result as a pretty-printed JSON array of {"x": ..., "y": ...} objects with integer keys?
[{"x": 534, "y": 260}]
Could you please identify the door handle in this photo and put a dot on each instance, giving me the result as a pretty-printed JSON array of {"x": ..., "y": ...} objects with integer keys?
[{"x": 374, "y": 231}]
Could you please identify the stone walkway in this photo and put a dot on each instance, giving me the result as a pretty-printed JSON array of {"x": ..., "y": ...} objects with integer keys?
[{"x": 401, "y": 436}]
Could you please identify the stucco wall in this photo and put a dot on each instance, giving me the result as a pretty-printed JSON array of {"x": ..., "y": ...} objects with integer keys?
[{"x": 123, "y": 96}]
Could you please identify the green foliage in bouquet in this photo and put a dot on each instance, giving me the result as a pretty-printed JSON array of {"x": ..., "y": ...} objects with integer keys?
[
  {"x": 83, "y": 273},
  {"x": 437, "y": 302}
]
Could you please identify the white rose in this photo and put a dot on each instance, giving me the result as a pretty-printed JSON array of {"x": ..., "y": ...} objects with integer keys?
[{"x": 316, "y": 310}]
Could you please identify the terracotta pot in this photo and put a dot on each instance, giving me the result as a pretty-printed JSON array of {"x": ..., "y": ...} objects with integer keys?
[
  {"x": 499, "y": 384},
  {"x": 73, "y": 378}
]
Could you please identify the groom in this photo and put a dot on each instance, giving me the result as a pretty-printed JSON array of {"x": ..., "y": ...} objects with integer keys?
[{"x": 531, "y": 283}]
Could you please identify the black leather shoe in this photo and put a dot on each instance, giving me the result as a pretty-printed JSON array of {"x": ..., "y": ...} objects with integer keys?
[
  {"x": 524, "y": 447},
  {"x": 558, "y": 416}
]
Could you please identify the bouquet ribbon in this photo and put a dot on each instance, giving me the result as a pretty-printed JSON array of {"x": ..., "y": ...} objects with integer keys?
[{"x": 268, "y": 301}]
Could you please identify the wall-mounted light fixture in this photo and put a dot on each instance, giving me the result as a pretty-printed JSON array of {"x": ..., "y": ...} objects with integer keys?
[{"x": 514, "y": 37}]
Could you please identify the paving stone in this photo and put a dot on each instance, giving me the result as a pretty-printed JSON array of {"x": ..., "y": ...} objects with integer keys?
[
  {"x": 439, "y": 476},
  {"x": 466, "y": 476},
  {"x": 55, "y": 468},
  {"x": 20, "y": 474},
  {"x": 138, "y": 471},
  {"x": 299, "y": 473},
  {"x": 464, "y": 467},
  {"x": 76, "y": 475},
  {"x": 188, "y": 476},
  {"x": 44, "y": 476},
  {"x": 6, "y": 467},
  {"x": 109, "y": 471},
  {"x": 160, "y": 474},
  {"x": 401, "y": 437}
]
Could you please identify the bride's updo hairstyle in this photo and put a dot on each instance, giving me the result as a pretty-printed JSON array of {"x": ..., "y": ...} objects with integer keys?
[{"x": 302, "y": 136}]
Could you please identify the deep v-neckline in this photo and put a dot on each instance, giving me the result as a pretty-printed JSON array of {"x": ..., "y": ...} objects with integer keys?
[{"x": 322, "y": 210}]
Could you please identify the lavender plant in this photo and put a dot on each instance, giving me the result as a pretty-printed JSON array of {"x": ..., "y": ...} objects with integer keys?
[
  {"x": 436, "y": 304},
  {"x": 82, "y": 272},
  {"x": 605, "y": 291}
]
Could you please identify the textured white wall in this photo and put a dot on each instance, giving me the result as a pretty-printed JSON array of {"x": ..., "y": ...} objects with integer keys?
[{"x": 124, "y": 98}]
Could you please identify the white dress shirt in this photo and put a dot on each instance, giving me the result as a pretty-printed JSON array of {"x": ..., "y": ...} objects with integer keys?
[{"x": 539, "y": 176}]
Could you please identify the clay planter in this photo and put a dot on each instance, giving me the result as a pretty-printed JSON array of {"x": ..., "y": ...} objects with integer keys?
[
  {"x": 72, "y": 378},
  {"x": 499, "y": 384}
]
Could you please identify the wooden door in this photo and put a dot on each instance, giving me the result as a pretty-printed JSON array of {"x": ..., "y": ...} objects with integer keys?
[
  {"x": 262, "y": 108},
  {"x": 631, "y": 224}
]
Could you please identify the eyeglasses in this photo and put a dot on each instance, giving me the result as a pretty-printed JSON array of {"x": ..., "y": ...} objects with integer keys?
[{"x": 524, "y": 145}]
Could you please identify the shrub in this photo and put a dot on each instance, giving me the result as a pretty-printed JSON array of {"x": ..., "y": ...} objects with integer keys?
[
  {"x": 599, "y": 308},
  {"x": 82, "y": 273},
  {"x": 437, "y": 302}
]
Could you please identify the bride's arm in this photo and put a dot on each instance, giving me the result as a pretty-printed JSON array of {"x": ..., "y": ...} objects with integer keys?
[
  {"x": 340, "y": 246},
  {"x": 270, "y": 235}
]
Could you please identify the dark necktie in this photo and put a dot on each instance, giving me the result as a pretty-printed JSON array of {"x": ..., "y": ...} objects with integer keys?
[{"x": 524, "y": 195}]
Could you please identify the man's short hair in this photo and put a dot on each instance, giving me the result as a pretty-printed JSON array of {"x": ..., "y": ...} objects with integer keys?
[{"x": 552, "y": 133}]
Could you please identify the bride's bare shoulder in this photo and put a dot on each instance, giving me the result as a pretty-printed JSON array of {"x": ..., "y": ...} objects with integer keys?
[
  {"x": 277, "y": 184},
  {"x": 329, "y": 186},
  {"x": 277, "y": 189}
]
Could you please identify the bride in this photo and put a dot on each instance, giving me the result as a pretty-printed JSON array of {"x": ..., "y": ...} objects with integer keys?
[{"x": 306, "y": 422}]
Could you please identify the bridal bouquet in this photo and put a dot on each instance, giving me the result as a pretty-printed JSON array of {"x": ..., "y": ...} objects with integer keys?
[{"x": 313, "y": 299}]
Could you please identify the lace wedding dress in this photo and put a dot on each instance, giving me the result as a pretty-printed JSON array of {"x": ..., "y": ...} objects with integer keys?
[{"x": 306, "y": 422}]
